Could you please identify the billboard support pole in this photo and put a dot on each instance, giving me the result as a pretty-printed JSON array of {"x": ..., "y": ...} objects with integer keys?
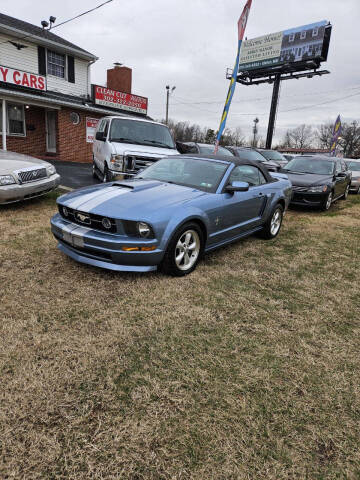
[{"x": 273, "y": 110}]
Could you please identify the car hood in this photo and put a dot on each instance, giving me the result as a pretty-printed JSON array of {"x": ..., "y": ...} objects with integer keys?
[
  {"x": 132, "y": 199},
  {"x": 142, "y": 150},
  {"x": 308, "y": 179},
  {"x": 11, "y": 161}
]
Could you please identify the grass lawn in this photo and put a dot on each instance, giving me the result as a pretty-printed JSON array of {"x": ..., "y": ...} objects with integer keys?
[{"x": 246, "y": 369}]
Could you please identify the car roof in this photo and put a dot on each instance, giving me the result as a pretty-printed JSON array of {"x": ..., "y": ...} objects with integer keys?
[
  {"x": 319, "y": 157},
  {"x": 126, "y": 117}
]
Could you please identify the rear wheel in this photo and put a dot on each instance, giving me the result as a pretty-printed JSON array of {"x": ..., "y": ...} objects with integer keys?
[
  {"x": 94, "y": 174},
  {"x": 327, "y": 202},
  {"x": 273, "y": 225},
  {"x": 184, "y": 251}
]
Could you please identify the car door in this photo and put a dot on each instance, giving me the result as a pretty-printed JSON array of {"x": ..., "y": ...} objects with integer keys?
[
  {"x": 243, "y": 210},
  {"x": 340, "y": 179},
  {"x": 100, "y": 146}
]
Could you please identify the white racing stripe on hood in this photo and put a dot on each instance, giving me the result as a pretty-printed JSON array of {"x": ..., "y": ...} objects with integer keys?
[
  {"x": 97, "y": 200},
  {"x": 76, "y": 202}
]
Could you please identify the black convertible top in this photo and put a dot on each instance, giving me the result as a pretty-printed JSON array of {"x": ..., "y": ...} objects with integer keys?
[{"x": 235, "y": 160}]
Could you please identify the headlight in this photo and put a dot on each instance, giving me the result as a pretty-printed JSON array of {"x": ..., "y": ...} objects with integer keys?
[
  {"x": 143, "y": 229},
  {"x": 7, "y": 180},
  {"x": 317, "y": 189},
  {"x": 50, "y": 170},
  {"x": 117, "y": 162}
]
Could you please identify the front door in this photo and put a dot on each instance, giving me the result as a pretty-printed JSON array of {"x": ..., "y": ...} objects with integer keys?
[{"x": 51, "y": 131}]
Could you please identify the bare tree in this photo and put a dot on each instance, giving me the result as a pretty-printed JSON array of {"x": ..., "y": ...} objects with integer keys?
[
  {"x": 299, "y": 137},
  {"x": 324, "y": 135},
  {"x": 350, "y": 139}
]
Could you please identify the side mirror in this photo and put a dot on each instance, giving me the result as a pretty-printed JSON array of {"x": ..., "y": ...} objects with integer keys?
[
  {"x": 341, "y": 174},
  {"x": 237, "y": 187},
  {"x": 100, "y": 136}
]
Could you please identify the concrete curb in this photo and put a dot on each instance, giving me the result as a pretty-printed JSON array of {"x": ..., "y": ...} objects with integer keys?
[{"x": 65, "y": 189}]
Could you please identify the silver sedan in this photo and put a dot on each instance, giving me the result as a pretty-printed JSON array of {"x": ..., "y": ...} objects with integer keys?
[{"x": 23, "y": 177}]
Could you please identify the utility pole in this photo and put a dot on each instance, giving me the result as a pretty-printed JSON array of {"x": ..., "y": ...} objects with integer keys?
[
  {"x": 256, "y": 121},
  {"x": 168, "y": 92}
]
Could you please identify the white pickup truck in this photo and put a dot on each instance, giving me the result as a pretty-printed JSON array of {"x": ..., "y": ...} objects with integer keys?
[{"x": 124, "y": 145}]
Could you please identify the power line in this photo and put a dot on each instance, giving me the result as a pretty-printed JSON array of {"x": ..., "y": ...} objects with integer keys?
[
  {"x": 80, "y": 15},
  {"x": 65, "y": 21}
]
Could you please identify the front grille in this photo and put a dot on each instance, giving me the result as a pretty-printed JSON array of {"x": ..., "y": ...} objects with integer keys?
[
  {"x": 89, "y": 220},
  {"x": 86, "y": 251},
  {"x": 135, "y": 162},
  {"x": 26, "y": 176},
  {"x": 297, "y": 188}
]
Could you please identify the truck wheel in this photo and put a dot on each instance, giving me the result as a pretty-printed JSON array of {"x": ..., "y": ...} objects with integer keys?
[
  {"x": 106, "y": 176},
  {"x": 94, "y": 174}
]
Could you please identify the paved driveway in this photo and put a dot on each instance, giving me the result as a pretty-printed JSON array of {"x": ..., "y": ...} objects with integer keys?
[{"x": 74, "y": 174}]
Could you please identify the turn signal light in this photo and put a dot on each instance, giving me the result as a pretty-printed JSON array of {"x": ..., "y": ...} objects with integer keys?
[{"x": 136, "y": 249}]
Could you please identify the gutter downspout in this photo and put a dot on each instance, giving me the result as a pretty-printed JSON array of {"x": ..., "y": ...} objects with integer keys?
[
  {"x": 89, "y": 77},
  {"x": 4, "y": 124}
]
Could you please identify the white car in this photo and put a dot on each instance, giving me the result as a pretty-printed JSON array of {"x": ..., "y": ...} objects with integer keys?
[
  {"x": 23, "y": 177},
  {"x": 124, "y": 145}
]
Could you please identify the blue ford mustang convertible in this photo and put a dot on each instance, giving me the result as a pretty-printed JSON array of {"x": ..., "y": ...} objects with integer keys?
[{"x": 170, "y": 213}]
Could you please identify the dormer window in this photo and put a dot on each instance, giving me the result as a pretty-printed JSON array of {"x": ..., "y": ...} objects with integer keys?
[
  {"x": 291, "y": 37},
  {"x": 55, "y": 64}
]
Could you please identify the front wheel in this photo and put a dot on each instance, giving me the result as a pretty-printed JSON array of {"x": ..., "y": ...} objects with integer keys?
[
  {"x": 106, "y": 176},
  {"x": 273, "y": 225},
  {"x": 327, "y": 202},
  {"x": 184, "y": 251},
  {"x": 346, "y": 193}
]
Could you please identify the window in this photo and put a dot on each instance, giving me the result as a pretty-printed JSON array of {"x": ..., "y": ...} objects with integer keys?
[
  {"x": 303, "y": 35},
  {"x": 15, "y": 119},
  {"x": 315, "y": 32},
  {"x": 291, "y": 37},
  {"x": 55, "y": 64},
  {"x": 248, "y": 174}
]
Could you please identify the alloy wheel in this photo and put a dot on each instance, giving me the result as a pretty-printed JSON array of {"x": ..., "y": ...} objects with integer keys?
[
  {"x": 329, "y": 201},
  {"x": 275, "y": 222},
  {"x": 187, "y": 250}
]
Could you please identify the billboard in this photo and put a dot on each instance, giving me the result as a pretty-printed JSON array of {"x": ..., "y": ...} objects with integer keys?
[
  {"x": 123, "y": 101},
  {"x": 308, "y": 42}
]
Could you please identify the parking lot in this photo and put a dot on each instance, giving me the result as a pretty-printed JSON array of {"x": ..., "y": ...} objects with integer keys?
[
  {"x": 130, "y": 376},
  {"x": 75, "y": 174}
]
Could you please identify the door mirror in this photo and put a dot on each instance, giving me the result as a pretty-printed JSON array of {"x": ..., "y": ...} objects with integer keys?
[
  {"x": 341, "y": 174},
  {"x": 237, "y": 187},
  {"x": 100, "y": 136}
]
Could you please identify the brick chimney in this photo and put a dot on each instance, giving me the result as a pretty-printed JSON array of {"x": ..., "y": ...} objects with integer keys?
[{"x": 119, "y": 78}]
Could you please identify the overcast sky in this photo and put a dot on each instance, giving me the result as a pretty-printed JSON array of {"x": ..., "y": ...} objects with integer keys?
[{"x": 190, "y": 43}]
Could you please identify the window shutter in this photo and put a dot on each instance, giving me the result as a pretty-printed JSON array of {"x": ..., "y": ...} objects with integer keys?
[
  {"x": 71, "y": 69},
  {"x": 42, "y": 60}
]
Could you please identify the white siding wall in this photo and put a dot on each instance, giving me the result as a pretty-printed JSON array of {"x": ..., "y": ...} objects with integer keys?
[
  {"x": 78, "y": 88},
  {"x": 26, "y": 59}
]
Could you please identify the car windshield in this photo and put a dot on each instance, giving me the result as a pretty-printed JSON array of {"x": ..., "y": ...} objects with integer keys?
[
  {"x": 353, "y": 166},
  {"x": 310, "y": 165},
  {"x": 140, "y": 133},
  {"x": 201, "y": 174},
  {"x": 273, "y": 155},
  {"x": 209, "y": 150},
  {"x": 250, "y": 155}
]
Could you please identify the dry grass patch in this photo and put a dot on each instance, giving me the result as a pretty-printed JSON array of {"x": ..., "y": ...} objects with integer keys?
[{"x": 246, "y": 369}]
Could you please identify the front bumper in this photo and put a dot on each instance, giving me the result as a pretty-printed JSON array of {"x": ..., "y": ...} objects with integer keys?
[
  {"x": 308, "y": 199},
  {"x": 18, "y": 192},
  {"x": 104, "y": 250}
]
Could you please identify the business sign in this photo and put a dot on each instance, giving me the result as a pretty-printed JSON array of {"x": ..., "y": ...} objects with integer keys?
[
  {"x": 299, "y": 44},
  {"x": 24, "y": 79},
  {"x": 91, "y": 124},
  {"x": 123, "y": 101}
]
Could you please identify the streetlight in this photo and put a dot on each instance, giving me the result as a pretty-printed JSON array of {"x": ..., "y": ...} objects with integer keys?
[
  {"x": 256, "y": 121},
  {"x": 168, "y": 91}
]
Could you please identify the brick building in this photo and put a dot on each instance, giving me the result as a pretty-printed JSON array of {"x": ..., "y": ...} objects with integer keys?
[{"x": 47, "y": 101}]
